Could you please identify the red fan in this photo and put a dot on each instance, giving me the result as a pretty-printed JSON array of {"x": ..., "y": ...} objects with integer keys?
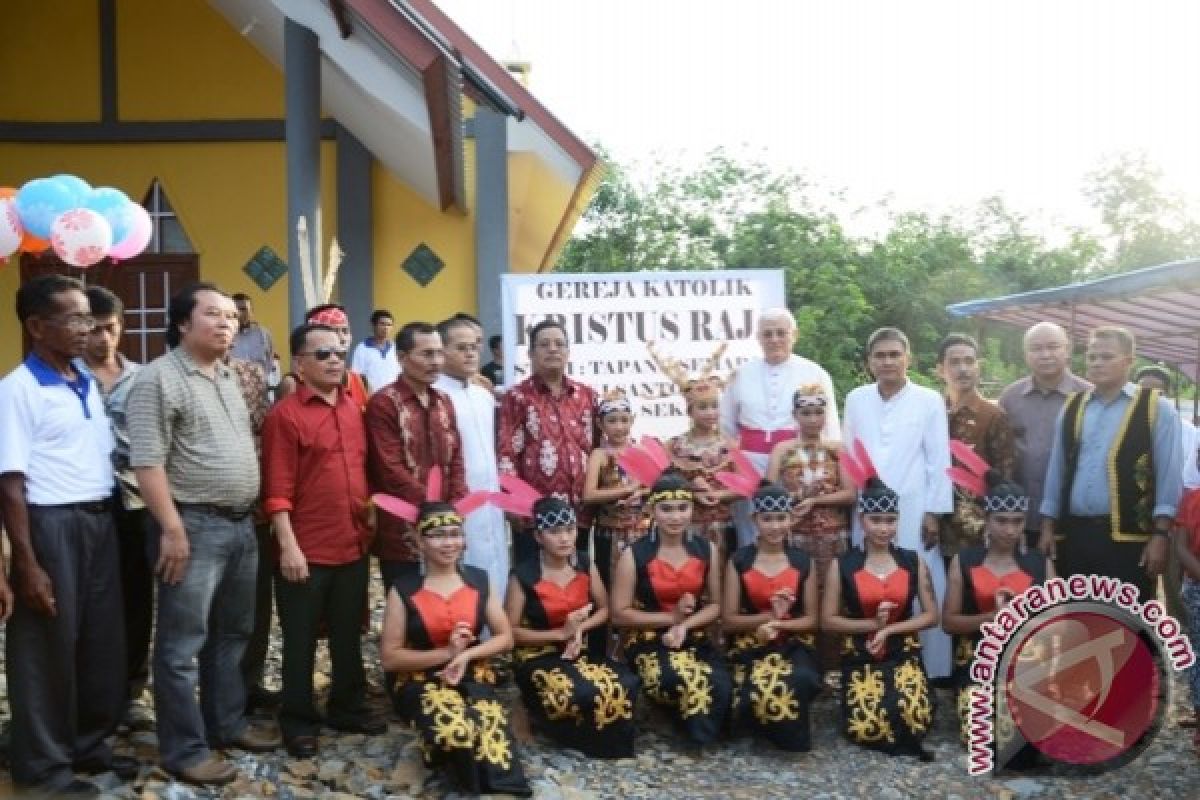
[
  {"x": 745, "y": 480},
  {"x": 858, "y": 464},
  {"x": 517, "y": 496},
  {"x": 641, "y": 465},
  {"x": 396, "y": 507},
  {"x": 974, "y": 477},
  {"x": 658, "y": 454}
]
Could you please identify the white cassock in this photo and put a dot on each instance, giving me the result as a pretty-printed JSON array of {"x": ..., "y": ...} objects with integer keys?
[
  {"x": 909, "y": 442},
  {"x": 487, "y": 532},
  {"x": 756, "y": 408}
]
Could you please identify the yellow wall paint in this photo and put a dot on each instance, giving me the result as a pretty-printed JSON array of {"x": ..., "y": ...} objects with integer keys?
[
  {"x": 537, "y": 198},
  {"x": 49, "y": 61},
  {"x": 229, "y": 197},
  {"x": 183, "y": 60},
  {"x": 404, "y": 220}
]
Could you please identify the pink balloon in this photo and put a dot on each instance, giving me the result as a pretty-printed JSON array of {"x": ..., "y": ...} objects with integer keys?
[
  {"x": 10, "y": 227},
  {"x": 81, "y": 237},
  {"x": 141, "y": 228}
]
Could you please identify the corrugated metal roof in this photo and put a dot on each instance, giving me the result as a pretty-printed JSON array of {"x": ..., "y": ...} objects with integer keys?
[{"x": 1160, "y": 305}]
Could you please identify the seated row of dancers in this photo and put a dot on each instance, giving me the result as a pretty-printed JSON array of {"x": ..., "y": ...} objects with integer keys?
[{"x": 666, "y": 601}]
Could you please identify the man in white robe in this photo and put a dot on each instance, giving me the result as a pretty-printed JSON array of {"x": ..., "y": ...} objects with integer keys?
[
  {"x": 756, "y": 406},
  {"x": 475, "y": 410},
  {"x": 904, "y": 428}
]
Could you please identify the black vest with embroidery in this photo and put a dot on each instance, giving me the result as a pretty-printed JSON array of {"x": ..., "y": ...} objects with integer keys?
[
  {"x": 743, "y": 559},
  {"x": 410, "y": 581},
  {"x": 529, "y": 574},
  {"x": 1129, "y": 464},
  {"x": 1032, "y": 563},
  {"x": 645, "y": 550}
]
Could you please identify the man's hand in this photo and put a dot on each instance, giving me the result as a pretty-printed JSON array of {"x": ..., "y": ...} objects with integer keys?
[
  {"x": 1047, "y": 544},
  {"x": 35, "y": 588},
  {"x": 1154, "y": 555},
  {"x": 173, "y": 554},
  {"x": 292, "y": 563},
  {"x": 929, "y": 530}
]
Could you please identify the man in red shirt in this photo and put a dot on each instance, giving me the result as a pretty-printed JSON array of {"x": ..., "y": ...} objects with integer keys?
[
  {"x": 314, "y": 453},
  {"x": 546, "y": 428},
  {"x": 412, "y": 428}
]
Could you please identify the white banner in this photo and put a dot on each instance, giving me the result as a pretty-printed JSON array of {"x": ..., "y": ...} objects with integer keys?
[{"x": 610, "y": 317}]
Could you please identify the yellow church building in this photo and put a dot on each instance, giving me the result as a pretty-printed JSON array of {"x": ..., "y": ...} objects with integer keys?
[{"x": 381, "y": 120}]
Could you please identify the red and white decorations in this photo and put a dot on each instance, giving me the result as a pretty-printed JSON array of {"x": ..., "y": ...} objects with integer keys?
[{"x": 81, "y": 237}]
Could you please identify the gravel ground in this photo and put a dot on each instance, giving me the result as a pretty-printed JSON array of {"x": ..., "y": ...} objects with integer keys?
[{"x": 389, "y": 766}]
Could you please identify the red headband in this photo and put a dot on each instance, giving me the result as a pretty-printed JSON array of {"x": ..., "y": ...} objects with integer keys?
[{"x": 333, "y": 317}]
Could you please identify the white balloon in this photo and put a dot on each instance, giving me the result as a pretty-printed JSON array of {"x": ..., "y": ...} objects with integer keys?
[
  {"x": 10, "y": 227},
  {"x": 81, "y": 237}
]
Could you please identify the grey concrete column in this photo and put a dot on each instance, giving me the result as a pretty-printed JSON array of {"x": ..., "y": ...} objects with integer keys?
[
  {"x": 491, "y": 215},
  {"x": 302, "y": 134},
  {"x": 355, "y": 226}
]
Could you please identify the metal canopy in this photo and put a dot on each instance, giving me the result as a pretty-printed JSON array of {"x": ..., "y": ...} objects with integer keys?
[{"x": 1160, "y": 305}]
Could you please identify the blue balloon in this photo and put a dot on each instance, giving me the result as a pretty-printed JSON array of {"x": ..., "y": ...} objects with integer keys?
[
  {"x": 39, "y": 203},
  {"x": 114, "y": 206},
  {"x": 78, "y": 187}
]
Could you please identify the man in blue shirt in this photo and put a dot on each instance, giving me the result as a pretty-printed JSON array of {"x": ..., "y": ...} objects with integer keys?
[
  {"x": 1115, "y": 475},
  {"x": 65, "y": 642}
]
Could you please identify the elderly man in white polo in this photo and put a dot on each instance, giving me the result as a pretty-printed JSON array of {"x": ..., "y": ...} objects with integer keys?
[{"x": 756, "y": 407}]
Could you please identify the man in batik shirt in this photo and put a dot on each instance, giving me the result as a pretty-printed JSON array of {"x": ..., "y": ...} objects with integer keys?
[
  {"x": 546, "y": 429},
  {"x": 411, "y": 428},
  {"x": 979, "y": 423}
]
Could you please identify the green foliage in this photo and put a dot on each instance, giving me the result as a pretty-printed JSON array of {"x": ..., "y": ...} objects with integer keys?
[{"x": 730, "y": 214}]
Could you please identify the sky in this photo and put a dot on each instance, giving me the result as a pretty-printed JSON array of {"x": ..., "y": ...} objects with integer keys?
[{"x": 934, "y": 104}]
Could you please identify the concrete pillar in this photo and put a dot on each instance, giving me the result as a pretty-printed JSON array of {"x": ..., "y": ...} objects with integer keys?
[
  {"x": 302, "y": 133},
  {"x": 355, "y": 224},
  {"x": 491, "y": 215}
]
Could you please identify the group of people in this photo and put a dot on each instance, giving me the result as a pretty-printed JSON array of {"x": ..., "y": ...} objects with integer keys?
[{"x": 728, "y": 574}]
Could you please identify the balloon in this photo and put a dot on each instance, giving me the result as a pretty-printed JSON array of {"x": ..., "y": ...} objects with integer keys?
[
  {"x": 114, "y": 206},
  {"x": 78, "y": 187},
  {"x": 32, "y": 244},
  {"x": 10, "y": 227},
  {"x": 39, "y": 203},
  {"x": 81, "y": 237},
  {"x": 141, "y": 228}
]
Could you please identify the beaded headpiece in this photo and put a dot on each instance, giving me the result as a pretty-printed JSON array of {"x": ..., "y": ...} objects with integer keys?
[
  {"x": 771, "y": 498},
  {"x": 810, "y": 395},
  {"x": 553, "y": 512},
  {"x": 874, "y": 496},
  {"x": 977, "y": 476},
  {"x": 612, "y": 401}
]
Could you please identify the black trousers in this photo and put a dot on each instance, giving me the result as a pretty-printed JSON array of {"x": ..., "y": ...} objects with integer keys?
[
  {"x": 1088, "y": 548},
  {"x": 335, "y": 595},
  {"x": 254, "y": 660},
  {"x": 66, "y": 673},
  {"x": 137, "y": 589}
]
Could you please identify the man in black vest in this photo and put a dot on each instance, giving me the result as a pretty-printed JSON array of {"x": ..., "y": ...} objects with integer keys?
[{"x": 1115, "y": 475}]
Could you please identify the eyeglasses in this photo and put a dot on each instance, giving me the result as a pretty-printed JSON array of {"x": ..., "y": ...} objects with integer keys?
[
  {"x": 74, "y": 322},
  {"x": 324, "y": 353},
  {"x": 443, "y": 535}
]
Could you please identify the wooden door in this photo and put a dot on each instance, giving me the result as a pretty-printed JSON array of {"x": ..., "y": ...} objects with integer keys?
[{"x": 145, "y": 285}]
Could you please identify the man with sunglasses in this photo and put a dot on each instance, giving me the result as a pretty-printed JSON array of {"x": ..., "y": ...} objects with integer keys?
[
  {"x": 315, "y": 490},
  {"x": 65, "y": 641}
]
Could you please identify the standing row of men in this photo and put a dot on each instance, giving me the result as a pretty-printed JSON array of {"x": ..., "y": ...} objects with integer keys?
[{"x": 182, "y": 441}]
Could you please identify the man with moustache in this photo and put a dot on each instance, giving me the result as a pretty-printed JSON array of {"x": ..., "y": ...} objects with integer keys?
[
  {"x": 904, "y": 427},
  {"x": 547, "y": 429},
  {"x": 1033, "y": 404},
  {"x": 977, "y": 422},
  {"x": 1116, "y": 473},
  {"x": 192, "y": 446},
  {"x": 475, "y": 414},
  {"x": 65, "y": 656},
  {"x": 756, "y": 406},
  {"x": 315, "y": 491},
  {"x": 411, "y": 428}
]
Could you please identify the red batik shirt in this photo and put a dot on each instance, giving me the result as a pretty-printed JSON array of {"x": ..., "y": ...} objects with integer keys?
[
  {"x": 545, "y": 439},
  {"x": 405, "y": 439}
]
